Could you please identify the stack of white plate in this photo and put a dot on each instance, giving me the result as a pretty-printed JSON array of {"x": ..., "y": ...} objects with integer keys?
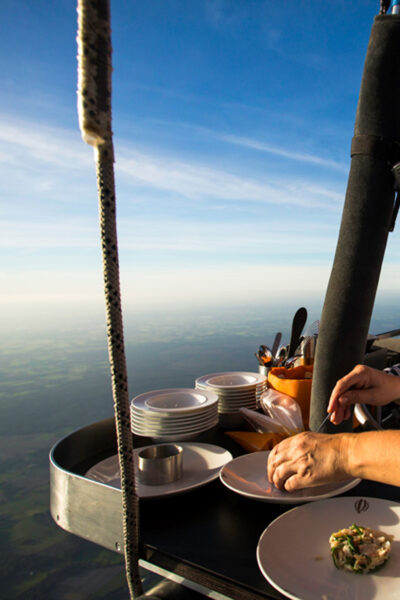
[
  {"x": 174, "y": 414},
  {"x": 235, "y": 389}
]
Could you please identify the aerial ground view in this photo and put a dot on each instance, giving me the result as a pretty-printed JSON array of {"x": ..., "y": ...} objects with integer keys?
[{"x": 232, "y": 126}]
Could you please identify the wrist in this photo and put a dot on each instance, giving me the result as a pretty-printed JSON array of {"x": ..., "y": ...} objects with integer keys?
[{"x": 346, "y": 454}]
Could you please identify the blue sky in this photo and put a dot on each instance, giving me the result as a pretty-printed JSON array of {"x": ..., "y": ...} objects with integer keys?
[{"x": 232, "y": 126}]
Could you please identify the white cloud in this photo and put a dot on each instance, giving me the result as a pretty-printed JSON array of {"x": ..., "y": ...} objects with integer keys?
[
  {"x": 254, "y": 144},
  {"x": 196, "y": 181},
  {"x": 42, "y": 144},
  {"x": 63, "y": 233},
  {"x": 238, "y": 239},
  {"x": 55, "y": 161},
  {"x": 33, "y": 149},
  {"x": 283, "y": 152},
  {"x": 174, "y": 235}
]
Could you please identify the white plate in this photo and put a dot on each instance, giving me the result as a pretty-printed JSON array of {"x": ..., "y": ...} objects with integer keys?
[
  {"x": 294, "y": 555},
  {"x": 175, "y": 400},
  {"x": 231, "y": 380},
  {"x": 173, "y": 430},
  {"x": 201, "y": 464},
  {"x": 231, "y": 410},
  {"x": 247, "y": 475},
  {"x": 232, "y": 393},
  {"x": 177, "y": 438},
  {"x": 237, "y": 403},
  {"x": 176, "y": 428},
  {"x": 172, "y": 436},
  {"x": 147, "y": 418}
]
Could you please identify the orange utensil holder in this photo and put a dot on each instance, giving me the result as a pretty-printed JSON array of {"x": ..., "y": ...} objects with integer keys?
[{"x": 296, "y": 383}]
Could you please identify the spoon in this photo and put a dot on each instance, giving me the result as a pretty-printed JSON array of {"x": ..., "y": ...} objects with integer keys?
[
  {"x": 257, "y": 355},
  {"x": 276, "y": 343},
  {"x": 299, "y": 320},
  {"x": 308, "y": 349},
  {"x": 293, "y": 361},
  {"x": 265, "y": 355},
  {"x": 281, "y": 355}
]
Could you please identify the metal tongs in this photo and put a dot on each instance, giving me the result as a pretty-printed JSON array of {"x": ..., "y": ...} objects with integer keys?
[{"x": 328, "y": 416}]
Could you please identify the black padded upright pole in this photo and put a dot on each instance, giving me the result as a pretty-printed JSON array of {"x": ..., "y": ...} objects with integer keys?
[{"x": 366, "y": 220}]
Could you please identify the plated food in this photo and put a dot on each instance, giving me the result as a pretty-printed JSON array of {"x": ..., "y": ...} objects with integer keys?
[
  {"x": 304, "y": 569},
  {"x": 360, "y": 549}
]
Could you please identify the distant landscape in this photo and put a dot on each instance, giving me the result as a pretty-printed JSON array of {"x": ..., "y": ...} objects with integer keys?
[{"x": 55, "y": 381}]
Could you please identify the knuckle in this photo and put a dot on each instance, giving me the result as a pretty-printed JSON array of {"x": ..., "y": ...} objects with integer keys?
[
  {"x": 303, "y": 440},
  {"x": 305, "y": 471}
]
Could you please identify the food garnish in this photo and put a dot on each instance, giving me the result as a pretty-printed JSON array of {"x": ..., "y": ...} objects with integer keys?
[{"x": 360, "y": 549}]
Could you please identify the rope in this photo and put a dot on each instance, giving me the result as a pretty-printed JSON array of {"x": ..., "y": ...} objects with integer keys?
[{"x": 94, "y": 110}]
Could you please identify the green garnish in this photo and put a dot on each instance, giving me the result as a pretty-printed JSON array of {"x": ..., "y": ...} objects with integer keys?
[
  {"x": 350, "y": 542},
  {"x": 333, "y": 553},
  {"x": 356, "y": 528}
]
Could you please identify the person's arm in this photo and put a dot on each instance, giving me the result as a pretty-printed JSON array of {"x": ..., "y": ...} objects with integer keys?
[
  {"x": 363, "y": 385},
  {"x": 310, "y": 459},
  {"x": 375, "y": 455}
]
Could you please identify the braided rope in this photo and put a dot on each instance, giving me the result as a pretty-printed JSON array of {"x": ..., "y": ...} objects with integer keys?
[{"x": 94, "y": 109}]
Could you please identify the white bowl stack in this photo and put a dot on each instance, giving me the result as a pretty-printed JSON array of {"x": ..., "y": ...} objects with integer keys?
[
  {"x": 235, "y": 389},
  {"x": 174, "y": 414}
]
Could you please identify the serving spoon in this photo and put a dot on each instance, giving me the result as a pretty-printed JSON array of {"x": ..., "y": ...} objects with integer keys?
[{"x": 299, "y": 320}]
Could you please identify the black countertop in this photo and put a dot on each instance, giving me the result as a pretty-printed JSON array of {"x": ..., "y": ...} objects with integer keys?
[{"x": 217, "y": 530}]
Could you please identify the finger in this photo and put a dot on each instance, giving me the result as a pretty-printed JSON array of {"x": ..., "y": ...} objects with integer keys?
[
  {"x": 275, "y": 459},
  {"x": 337, "y": 416},
  {"x": 361, "y": 396},
  {"x": 340, "y": 388},
  {"x": 354, "y": 378},
  {"x": 342, "y": 403},
  {"x": 332, "y": 405},
  {"x": 293, "y": 483},
  {"x": 271, "y": 464},
  {"x": 342, "y": 413},
  {"x": 270, "y": 469},
  {"x": 334, "y": 402},
  {"x": 281, "y": 474},
  {"x": 278, "y": 453}
]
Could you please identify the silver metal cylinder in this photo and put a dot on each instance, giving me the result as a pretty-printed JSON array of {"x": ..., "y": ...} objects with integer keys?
[{"x": 160, "y": 464}]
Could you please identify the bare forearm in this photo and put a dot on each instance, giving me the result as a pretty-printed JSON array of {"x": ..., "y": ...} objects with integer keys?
[
  {"x": 373, "y": 455},
  {"x": 309, "y": 459}
]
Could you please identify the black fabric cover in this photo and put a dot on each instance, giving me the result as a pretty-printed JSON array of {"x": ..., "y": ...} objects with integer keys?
[{"x": 365, "y": 223}]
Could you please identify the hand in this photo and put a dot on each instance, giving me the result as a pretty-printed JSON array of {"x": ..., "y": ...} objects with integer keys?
[
  {"x": 365, "y": 386},
  {"x": 307, "y": 460}
]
